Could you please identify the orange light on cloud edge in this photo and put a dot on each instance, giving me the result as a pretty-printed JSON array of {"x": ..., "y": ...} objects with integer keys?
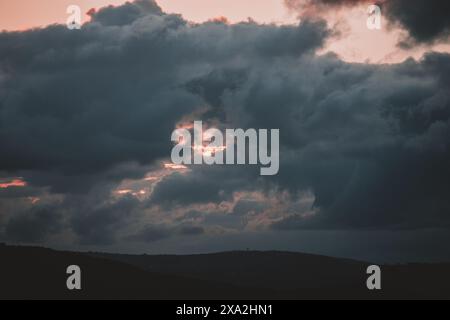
[
  {"x": 174, "y": 166},
  {"x": 34, "y": 200},
  {"x": 17, "y": 183}
]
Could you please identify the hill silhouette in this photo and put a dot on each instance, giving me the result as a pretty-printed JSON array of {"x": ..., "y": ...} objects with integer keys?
[{"x": 39, "y": 273}]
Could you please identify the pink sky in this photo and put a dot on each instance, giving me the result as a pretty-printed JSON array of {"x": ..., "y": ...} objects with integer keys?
[
  {"x": 22, "y": 14},
  {"x": 358, "y": 44}
]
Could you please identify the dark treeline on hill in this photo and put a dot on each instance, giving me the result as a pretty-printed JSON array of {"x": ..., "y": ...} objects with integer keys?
[{"x": 38, "y": 273}]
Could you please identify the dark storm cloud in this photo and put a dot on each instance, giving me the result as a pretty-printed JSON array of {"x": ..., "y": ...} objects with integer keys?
[
  {"x": 425, "y": 21},
  {"x": 35, "y": 225},
  {"x": 244, "y": 207},
  {"x": 19, "y": 192},
  {"x": 154, "y": 233},
  {"x": 203, "y": 185},
  {"x": 86, "y": 109},
  {"x": 374, "y": 149},
  {"x": 186, "y": 189},
  {"x": 151, "y": 233},
  {"x": 102, "y": 224},
  {"x": 191, "y": 230},
  {"x": 77, "y": 103},
  {"x": 371, "y": 142}
]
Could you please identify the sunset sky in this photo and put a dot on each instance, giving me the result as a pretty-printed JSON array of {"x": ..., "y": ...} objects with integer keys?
[
  {"x": 22, "y": 14},
  {"x": 86, "y": 118}
]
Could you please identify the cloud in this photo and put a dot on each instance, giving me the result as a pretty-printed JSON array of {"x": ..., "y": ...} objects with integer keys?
[
  {"x": 203, "y": 185},
  {"x": 127, "y": 13},
  {"x": 102, "y": 224},
  {"x": 371, "y": 142},
  {"x": 192, "y": 230},
  {"x": 426, "y": 22},
  {"x": 151, "y": 233},
  {"x": 34, "y": 226},
  {"x": 113, "y": 90}
]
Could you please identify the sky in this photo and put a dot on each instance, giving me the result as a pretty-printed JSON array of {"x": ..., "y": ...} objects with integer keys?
[
  {"x": 86, "y": 118},
  {"x": 21, "y": 14}
]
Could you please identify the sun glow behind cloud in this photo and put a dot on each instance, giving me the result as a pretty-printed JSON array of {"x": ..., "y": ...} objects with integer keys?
[
  {"x": 354, "y": 42},
  {"x": 142, "y": 188},
  {"x": 14, "y": 182}
]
